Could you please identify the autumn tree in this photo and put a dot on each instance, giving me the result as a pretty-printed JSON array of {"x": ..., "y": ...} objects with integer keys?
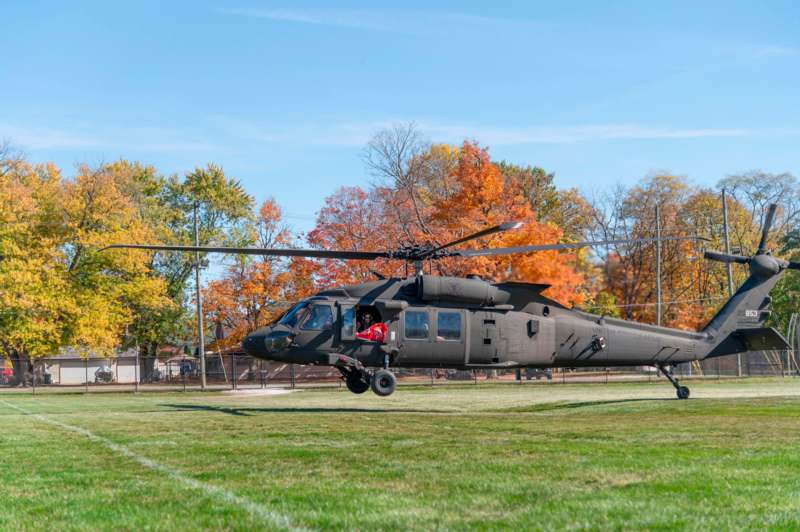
[
  {"x": 692, "y": 288},
  {"x": 224, "y": 216},
  {"x": 57, "y": 289},
  {"x": 566, "y": 209},
  {"x": 354, "y": 220},
  {"x": 432, "y": 194},
  {"x": 32, "y": 285},
  {"x": 756, "y": 190},
  {"x": 630, "y": 268},
  {"x": 252, "y": 292},
  {"x": 99, "y": 209}
]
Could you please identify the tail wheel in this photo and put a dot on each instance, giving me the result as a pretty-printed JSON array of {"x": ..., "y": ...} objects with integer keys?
[
  {"x": 357, "y": 382},
  {"x": 683, "y": 392},
  {"x": 383, "y": 382}
]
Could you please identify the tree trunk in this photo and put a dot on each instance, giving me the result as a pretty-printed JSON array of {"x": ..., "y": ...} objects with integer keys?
[
  {"x": 21, "y": 365},
  {"x": 147, "y": 362}
]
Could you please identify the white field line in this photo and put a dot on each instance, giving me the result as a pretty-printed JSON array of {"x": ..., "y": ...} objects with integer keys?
[{"x": 272, "y": 518}]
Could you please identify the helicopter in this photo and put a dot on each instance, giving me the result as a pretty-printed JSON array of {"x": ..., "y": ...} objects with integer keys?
[{"x": 429, "y": 321}]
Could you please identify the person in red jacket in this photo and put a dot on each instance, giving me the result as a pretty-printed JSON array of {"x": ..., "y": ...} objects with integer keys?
[
  {"x": 365, "y": 322},
  {"x": 375, "y": 333}
]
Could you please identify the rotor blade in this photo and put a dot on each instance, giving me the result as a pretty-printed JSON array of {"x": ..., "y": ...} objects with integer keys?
[
  {"x": 507, "y": 226},
  {"x": 574, "y": 245},
  {"x": 311, "y": 253},
  {"x": 726, "y": 257},
  {"x": 762, "y": 246}
]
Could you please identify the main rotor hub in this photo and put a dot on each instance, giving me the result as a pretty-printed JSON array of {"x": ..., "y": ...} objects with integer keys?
[{"x": 417, "y": 252}]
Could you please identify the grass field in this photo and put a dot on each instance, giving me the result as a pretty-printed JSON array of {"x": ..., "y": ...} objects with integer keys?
[{"x": 621, "y": 456}]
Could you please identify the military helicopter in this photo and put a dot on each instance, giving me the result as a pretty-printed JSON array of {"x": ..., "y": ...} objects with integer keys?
[{"x": 428, "y": 321}]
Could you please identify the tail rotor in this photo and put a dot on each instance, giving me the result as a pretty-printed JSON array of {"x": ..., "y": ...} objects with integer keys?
[
  {"x": 730, "y": 258},
  {"x": 762, "y": 264}
]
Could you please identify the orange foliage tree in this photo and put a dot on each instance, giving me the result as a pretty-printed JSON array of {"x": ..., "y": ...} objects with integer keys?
[
  {"x": 439, "y": 195},
  {"x": 253, "y": 291},
  {"x": 692, "y": 288}
]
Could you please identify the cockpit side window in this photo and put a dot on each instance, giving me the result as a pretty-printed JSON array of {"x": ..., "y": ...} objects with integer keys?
[
  {"x": 291, "y": 318},
  {"x": 318, "y": 318}
]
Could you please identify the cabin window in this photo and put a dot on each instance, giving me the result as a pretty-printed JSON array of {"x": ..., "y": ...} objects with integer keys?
[
  {"x": 416, "y": 325},
  {"x": 448, "y": 326},
  {"x": 318, "y": 318}
]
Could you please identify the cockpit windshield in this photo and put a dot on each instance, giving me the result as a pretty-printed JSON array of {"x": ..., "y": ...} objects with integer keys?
[{"x": 291, "y": 318}]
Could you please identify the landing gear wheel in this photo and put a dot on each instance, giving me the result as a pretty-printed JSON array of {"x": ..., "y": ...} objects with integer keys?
[
  {"x": 357, "y": 382},
  {"x": 683, "y": 391},
  {"x": 383, "y": 382}
]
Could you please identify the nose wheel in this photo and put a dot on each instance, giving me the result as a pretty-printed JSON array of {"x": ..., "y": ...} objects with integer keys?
[
  {"x": 682, "y": 391},
  {"x": 383, "y": 382}
]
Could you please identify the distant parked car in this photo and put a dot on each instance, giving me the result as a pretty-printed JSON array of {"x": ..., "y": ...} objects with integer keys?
[
  {"x": 537, "y": 373},
  {"x": 6, "y": 375},
  {"x": 104, "y": 374},
  {"x": 187, "y": 368}
]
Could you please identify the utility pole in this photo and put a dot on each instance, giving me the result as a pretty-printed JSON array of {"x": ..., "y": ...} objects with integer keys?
[
  {"x": 658, "y": 264},
  {"x": 729, "y": 266},
  {"x": 199, "y": 299}
]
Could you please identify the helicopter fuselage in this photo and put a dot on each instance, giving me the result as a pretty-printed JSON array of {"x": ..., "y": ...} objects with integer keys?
[
  {"x": 451, "y": 322},
  {"x": 465, "y": 324}
]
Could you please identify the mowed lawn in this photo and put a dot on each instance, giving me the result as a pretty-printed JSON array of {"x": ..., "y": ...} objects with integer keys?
[{"x": 592, "y": 456}]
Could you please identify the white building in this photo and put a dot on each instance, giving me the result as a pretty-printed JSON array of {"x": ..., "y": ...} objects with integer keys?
[{"x": 69, "y": 367}]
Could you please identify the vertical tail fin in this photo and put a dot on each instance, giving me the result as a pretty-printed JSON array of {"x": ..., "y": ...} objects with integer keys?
[
  {"x": 739, "y": 325},
  {"x": 748, "y": 308}
]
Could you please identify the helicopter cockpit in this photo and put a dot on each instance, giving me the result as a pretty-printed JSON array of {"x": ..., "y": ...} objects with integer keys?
[
  {"x": 293, "y": 315},
  {"x": 309, "y": 316}
]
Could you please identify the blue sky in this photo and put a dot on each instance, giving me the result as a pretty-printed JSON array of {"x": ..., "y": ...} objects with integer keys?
[{"x": 285, "y": 95}]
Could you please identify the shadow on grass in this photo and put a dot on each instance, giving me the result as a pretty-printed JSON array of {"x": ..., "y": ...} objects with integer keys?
[
  {"x": 548, "y": 407},
  {"x": 248, "y": 411}
]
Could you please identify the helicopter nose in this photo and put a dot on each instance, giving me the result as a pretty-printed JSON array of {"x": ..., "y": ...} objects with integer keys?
[
  {"x": 254, "y": 343},
  {"x": 266, "y": 342}
]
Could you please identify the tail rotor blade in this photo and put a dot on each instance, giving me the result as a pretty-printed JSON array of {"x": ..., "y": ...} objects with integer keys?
[
  {"x": 726, "y": 257},
  {"x": 762, "y": 246}
]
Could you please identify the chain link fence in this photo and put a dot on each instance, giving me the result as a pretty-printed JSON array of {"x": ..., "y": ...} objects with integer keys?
[{"x": 237, "y": 371}]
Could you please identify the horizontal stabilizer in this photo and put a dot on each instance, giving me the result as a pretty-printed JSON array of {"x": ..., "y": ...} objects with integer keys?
[
  {"x": 755, "y": 339},
  {"x": 762, "y": 339}
]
